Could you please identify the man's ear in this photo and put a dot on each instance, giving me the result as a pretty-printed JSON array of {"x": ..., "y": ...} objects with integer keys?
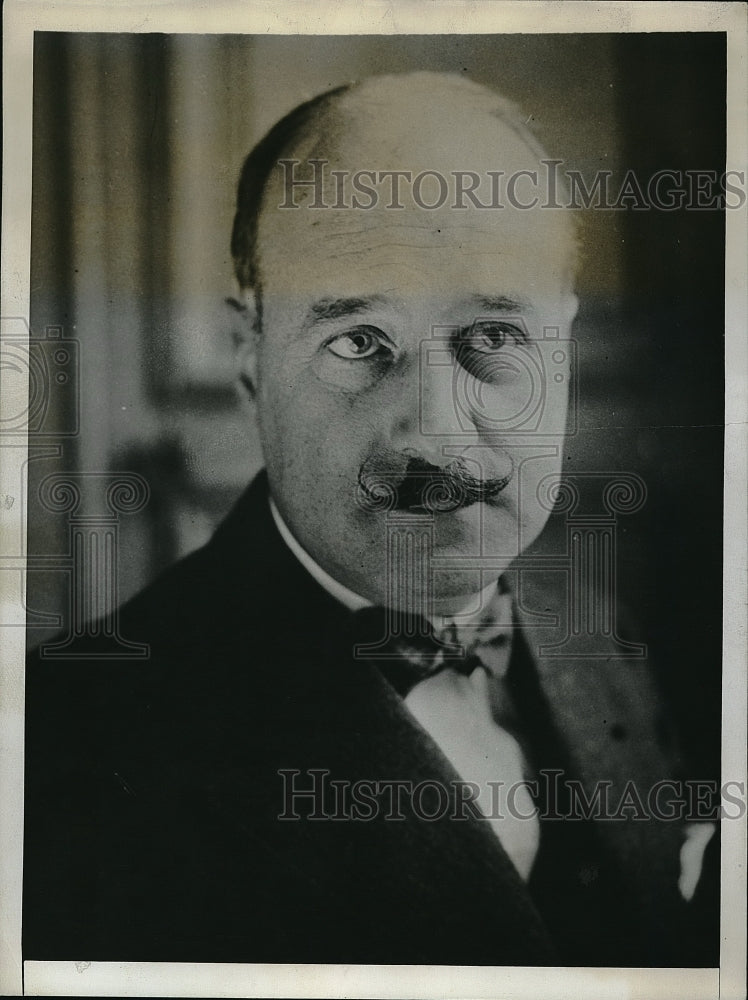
[
  {"x": 245, "y": 333},
  {"x": 572, "y": 308}
]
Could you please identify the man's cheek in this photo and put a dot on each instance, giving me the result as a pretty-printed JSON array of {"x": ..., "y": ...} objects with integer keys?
[
  {"x": 325, "y": 447},
  {"x": 342, "y": 377}
]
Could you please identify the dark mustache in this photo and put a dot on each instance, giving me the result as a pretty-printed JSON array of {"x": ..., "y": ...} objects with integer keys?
[{"x": 392, "y": 481}]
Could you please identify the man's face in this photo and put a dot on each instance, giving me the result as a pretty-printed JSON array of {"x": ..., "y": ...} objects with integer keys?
[{"x": 391, "y": 336}]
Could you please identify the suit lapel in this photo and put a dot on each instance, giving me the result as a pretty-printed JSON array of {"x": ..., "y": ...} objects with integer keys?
[{"x": 604, "y": 712}]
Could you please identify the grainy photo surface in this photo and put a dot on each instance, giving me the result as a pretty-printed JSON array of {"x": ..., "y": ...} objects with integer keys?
[{"x": 375, "y": 499}]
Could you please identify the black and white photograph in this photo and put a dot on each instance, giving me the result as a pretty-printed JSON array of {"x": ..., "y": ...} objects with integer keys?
[{"x": 373, "y": 469}]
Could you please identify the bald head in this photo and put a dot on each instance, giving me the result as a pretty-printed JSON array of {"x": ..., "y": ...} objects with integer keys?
[{"x": 424, "y": 141}]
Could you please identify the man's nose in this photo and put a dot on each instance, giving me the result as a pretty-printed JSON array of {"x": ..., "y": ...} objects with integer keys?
[{"x": 426, "y": 414}]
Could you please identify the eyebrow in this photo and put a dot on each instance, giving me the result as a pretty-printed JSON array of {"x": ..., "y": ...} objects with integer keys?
[
  {"x": 329, "y": 309},
  {"x": 501, "y": 303}
]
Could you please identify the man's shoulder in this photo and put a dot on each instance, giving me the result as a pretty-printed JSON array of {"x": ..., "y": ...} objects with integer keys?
[
  {"x": 214, "y": 620},
  {"x": 190, "y": 603}
]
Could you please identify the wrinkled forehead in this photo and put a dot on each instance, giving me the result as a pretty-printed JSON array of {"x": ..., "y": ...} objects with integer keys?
[{"x": 384, "y": 200}]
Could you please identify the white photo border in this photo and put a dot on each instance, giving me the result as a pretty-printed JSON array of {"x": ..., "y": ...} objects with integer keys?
[{"x": 376, "y": 17}]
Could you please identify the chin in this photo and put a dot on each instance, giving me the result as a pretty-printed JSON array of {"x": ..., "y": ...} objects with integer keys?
[
  {"x": 478, "y": 531},
  {"x": 446, "y": 589},
  {"x": 464, "y": 549}
]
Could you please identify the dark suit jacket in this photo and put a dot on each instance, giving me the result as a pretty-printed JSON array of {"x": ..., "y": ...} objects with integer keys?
[{"x": 153, "y": 793}]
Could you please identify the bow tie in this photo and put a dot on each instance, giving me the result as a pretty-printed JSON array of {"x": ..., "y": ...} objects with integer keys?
[{"x": 407, "y": 649}]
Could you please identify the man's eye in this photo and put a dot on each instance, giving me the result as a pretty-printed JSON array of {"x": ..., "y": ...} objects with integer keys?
[
  {"x": 355, "y": 344},
  {"x": 486, "y": 350},
  {"x": 491, "y": 337}
]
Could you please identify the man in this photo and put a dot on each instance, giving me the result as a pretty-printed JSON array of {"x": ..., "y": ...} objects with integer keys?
[{"x": 332, "y": 753}]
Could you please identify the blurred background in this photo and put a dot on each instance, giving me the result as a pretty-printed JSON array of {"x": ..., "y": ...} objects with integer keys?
[{"x": 138, "y": 141}]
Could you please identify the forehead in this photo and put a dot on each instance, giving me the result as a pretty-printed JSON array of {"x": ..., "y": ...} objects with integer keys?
[
  {"x": 406, "y": 255},
  {"x": 401, "y": 261},
  {"x": 412, "y": 248}
]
